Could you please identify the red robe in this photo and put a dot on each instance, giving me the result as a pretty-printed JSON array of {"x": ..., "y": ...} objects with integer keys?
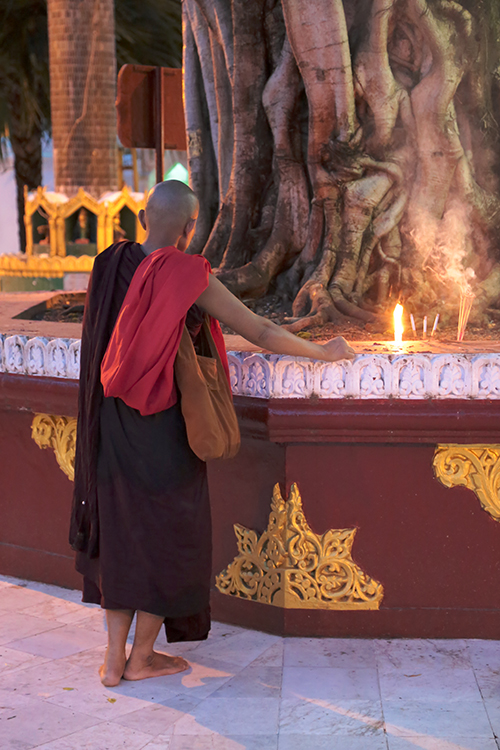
[{"x": 138, "y": 366}]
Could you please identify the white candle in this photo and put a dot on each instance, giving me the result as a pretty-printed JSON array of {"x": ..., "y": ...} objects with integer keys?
[
  {"x": 434, "y": 327},
  {"x": 425, "y": 326},
  {"x": 413, "y": 326}
]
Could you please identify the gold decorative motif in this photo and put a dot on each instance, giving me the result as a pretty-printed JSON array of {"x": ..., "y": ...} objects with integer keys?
[
  {"x": 291, "y": 567},
  {"x": 476, "y": 467},
  {"x": 56, "y": 208},
  {"x": 48, "y": 267},
  {"x": 58, "y": 433}
]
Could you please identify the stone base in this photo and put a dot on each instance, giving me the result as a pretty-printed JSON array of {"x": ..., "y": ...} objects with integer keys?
[{"x": 363, "y": 465}]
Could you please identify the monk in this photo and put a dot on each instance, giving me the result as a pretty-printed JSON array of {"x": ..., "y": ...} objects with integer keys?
[{"x": 141, "y": 513}]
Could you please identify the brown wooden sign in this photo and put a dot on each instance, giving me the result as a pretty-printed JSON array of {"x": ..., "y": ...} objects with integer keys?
[{"x": 137, "y": 104}]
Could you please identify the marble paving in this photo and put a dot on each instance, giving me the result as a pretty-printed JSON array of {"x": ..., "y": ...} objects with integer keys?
[{"x": 244, "y": 691}]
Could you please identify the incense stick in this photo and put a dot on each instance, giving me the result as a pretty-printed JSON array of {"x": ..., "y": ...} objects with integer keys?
[
  {"x": 434, "y": 327},
  {"x": 466, "y": 300},
  {"x": 413, "y": 326}
]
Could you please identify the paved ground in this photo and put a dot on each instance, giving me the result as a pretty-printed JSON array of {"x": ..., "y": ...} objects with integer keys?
[{"x": 245, "y": 691}]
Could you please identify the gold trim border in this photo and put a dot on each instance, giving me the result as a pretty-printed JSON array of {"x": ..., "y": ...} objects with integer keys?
[
  {"x": 290, "y": 566},
  {"x": 476, "y": 467},
  {"x": 58, "y": 433}
]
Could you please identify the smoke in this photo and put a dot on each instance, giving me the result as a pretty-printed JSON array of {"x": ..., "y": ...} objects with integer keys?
[{"x": 445, "y": 249}]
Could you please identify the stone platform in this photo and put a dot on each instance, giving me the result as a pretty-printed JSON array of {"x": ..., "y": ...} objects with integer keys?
[
  {"x": 373, "y": 542},
  {"x": 243, "y": 690}
]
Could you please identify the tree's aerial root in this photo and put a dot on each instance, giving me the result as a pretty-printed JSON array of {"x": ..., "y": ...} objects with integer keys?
[
  {"x": 325, "y": 307},
  {"x": 246, "y": 282}
]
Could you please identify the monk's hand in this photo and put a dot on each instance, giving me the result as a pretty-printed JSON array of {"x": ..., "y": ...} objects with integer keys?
[{"x": 338, "y": 348}]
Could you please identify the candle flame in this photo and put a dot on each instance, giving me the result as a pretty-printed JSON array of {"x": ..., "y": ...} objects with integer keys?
[{"x": 398, "y": 324}]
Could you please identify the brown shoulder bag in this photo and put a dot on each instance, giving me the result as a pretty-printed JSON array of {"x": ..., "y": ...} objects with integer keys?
[{"x": 206, "y": 401}]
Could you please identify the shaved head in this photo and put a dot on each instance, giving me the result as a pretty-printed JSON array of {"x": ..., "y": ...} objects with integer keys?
[
  {"x": 171, "y": 202},
  {"x": 170, "y": 214}
]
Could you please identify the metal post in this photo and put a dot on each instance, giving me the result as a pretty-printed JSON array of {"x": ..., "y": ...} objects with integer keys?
[{"x": 158, "y": 121}]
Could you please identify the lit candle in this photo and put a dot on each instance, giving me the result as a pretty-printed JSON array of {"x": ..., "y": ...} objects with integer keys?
[{"x": 398, "y": 324}]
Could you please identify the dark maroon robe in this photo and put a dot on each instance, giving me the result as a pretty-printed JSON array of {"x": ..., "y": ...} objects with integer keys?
[{"x": 141, "y": 515}]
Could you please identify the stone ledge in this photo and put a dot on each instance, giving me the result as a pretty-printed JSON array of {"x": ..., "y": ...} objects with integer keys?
[{"x": 369, "y": 376}]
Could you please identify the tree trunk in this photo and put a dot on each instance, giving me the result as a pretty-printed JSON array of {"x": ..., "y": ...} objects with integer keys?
[
  {"x": 354, "y": 151},
  {"x": 82, "y": 79},
  {"x": 26, "y": 142}
]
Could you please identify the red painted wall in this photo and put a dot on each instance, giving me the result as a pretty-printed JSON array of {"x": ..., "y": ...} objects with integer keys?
[{"x": 366, "y": 465}]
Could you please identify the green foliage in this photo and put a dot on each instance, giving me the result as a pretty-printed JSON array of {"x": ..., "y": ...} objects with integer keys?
[
  {"x": 149, "y": 32},
  {"x": 24, "y": 74}
]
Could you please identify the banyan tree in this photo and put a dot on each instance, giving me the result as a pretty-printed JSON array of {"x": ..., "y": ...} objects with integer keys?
[{"x": 346, "y": 153}]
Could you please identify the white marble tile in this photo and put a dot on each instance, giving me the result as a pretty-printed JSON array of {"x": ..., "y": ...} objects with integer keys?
[
  {"x": 440, "y": 743},
  {"x": 331, "y": 717},
  {"x": 153, "y": 690},
  {"x": 87, "y": 619},
  {"x": 73, "y": 595},
  {"x": 272, "y": 657},
  {"x": 325, "y": 742},
  {"x": 429, "y": 683},
  {"x": 13, "y": 627},
  {"x": 331, "y": 684},
  {"x": 11, "y": 660},
  {"x": 489, "y": 683},
  {"x": 239, "y": 649},
  {"x": 484, "y": 654},
  {"x": 63, "y": 641},
  {"x": 253, "y": 682},
  {"x": 103, "y": 736},
  {"x": 224, "y": 630},
  {"x": 55, "y": 609},
  {"x": 38, "y": 721},
  {"x": 17, "y": 598},
  {"x": 42, "y": 680},
  {"x": 412, "y": 654},
  {"x": 449, "y": 721},
  {"x": 349, "y": 653},
  {"x": 493, "y": 711},
  {"x": 231, "y": 717},
  {"x": 95, "y": 700},
  {"x": 218, "y": 742},
  {"x": 158, "y": 719},
  {"x": 161, "y": 742}
]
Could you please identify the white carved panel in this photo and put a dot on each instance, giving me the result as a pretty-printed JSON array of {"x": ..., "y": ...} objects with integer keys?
[
  {"x": 486, "y": 376},
  {"x": 74, "y": 359},
  {"x": 451, "y": 376},
  {"x": 57, "y": 358},
  {"x": 257, "y": 379},
  {"x": 411, "y": 376},
  {"x": 35, "y": 356},
  {"x": 14, "y": 354},
  {"x": 371, "y": 377},
  {"x": 235, "y": 372},
  {"x": 293, "y": 378},
  {"x": 330, "y": 379}
]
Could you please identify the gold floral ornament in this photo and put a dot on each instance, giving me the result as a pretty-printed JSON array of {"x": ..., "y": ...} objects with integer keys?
[
  {"x": 291, "y": 567},
  {"x": 58, "y": 433},
  {"x": 476, "y": 467}
]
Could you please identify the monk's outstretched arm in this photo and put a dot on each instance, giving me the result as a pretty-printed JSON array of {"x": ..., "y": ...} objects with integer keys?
[{"x": 221, "y": 304}]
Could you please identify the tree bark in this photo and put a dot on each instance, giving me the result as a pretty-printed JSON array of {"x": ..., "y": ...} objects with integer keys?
[{"x": 348, "y": 143}]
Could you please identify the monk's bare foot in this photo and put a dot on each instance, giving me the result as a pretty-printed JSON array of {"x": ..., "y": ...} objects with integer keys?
[
  {"x": 111, "y": 671},
  {"x": 155, "y": 665}
]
